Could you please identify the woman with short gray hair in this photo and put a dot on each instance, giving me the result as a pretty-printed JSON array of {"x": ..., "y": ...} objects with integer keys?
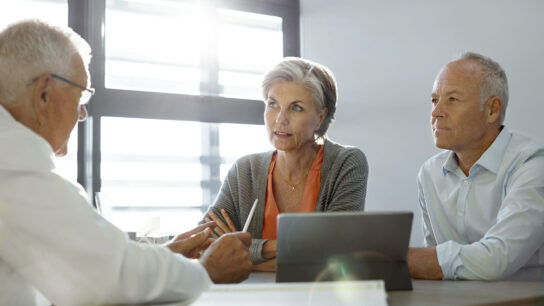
[
  {"x": 305, "y": 173},
  {"x": 316, "y": 78}
]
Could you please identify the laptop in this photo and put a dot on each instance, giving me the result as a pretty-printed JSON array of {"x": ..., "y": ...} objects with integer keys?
[{"x": 344, "y": 246}]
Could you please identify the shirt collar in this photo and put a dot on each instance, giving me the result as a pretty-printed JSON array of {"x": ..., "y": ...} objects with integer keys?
[
  {"x": 492, "y": 157},
  {"x": 4, "y": 114},
  {"x": 450, "y": 165},
  {"x": 490, "y": 160},
  {"x": 7, "y": 117}
]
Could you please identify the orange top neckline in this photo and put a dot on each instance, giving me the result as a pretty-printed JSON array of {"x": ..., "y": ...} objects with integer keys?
[{"x": 309, "y": 197}]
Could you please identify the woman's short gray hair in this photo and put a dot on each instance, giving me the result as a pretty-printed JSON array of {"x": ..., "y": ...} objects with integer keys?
[
  {"x": 317, "y": 78},
  {"x": 32, "y": 47},
  {"x": 494, "y": 81}
]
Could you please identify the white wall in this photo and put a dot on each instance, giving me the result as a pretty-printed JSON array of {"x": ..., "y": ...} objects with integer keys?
[{"x": 386, "y": 54}]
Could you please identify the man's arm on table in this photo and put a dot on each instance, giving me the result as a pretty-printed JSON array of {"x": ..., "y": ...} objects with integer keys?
[
  {"x": 73, "y": 256},
  {"x": 423, "y": 263},
  {"x": 507, "y": 245}
]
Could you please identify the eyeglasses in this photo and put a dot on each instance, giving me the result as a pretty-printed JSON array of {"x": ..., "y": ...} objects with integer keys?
[{"x": 86, "y": 93}]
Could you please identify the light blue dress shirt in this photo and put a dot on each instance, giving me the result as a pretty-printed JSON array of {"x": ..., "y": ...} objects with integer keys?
[{"x": 490, "y": 224}]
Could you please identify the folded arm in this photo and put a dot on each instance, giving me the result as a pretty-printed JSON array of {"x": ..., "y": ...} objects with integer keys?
[{"x": 510, "y": 242}]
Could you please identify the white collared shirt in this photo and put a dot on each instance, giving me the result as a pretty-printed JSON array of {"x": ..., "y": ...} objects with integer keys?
[
  {"x": 490, "y": 224},
  {"x": 55, "y": 248}
]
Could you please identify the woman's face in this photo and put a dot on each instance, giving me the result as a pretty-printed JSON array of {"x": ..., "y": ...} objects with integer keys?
[{"x": 291, "y": 116}]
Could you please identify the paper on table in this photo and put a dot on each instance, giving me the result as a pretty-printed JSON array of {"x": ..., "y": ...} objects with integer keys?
[
  {"x": 150, "y": 232},
  {"x": 150, "y": 226},
  {"x": 285, "y": 294}
]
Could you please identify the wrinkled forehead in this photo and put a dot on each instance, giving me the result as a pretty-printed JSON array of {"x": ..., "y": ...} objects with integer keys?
[
  {"x": 462, "y": 75},
  {"x": 80, "y": 71}
]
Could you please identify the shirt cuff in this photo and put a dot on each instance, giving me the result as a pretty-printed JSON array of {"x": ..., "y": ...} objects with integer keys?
[
  {"x": 448, "y": 258},
  {"x": 200, "y": 280},
  {"x": 207, "y": 281},
  {"x": 256, "y": 251}
]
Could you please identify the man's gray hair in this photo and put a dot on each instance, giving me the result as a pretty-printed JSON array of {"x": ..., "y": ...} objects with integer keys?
[
  {"x": 32, "y": 47},
  {"x": 494, "y": 81},
  {"x": 315, "y": 77}
]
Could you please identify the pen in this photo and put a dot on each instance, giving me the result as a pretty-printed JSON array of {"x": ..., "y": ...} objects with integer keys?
[{"x": 250, "y": 216}]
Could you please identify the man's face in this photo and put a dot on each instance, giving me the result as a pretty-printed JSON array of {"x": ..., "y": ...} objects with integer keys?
[
  {"x": 64, "y": 111},
  {"x": 458, "y": 121}
]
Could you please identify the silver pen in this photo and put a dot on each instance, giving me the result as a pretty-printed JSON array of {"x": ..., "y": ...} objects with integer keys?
[{"x": 250, "y": 216}]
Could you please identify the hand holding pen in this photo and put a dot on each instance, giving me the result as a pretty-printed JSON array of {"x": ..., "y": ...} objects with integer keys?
[
  {"x": 226, "y": 260},
  {"x": 228, "y": 226}
]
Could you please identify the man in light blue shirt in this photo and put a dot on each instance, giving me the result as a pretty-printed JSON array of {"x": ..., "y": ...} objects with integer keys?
[{"x": 482, "y": 199}]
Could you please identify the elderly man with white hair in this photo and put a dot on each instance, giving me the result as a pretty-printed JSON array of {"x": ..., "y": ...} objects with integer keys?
[
  {"x": 482, "y": 199},
  {"x": 54, "y": 248}
]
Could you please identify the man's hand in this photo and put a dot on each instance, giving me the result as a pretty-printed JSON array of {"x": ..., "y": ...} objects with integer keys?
[
  {"x": 191, "y": 243},
  {"x": 423, "y": 263},
  {"x": 227, "y": 258}
]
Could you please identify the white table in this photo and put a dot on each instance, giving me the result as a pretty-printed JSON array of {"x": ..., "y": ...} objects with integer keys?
[
  {"x": 348, "y": 293},
  {"x": 260, "y": 290},
  {"x": 454, "y": 292}
]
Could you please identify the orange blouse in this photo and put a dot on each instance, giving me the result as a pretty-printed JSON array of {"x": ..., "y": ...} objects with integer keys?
[{"x": 309, "y": 197}]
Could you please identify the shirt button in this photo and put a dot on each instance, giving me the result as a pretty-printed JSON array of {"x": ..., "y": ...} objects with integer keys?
[
  {"x": 460, "y": 214},
  {"x": 466, "y": 182}
]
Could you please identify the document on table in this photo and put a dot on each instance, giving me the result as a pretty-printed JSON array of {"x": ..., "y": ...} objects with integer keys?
[{"x": 286, "y": 294}]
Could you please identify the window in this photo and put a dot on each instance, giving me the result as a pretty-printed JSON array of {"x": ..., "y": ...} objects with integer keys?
[
  {"x": 189, "y": 48},
  {"x": 233, "y": 143},
  {"x": 248, "y": 44},
  {"x": 153, "y": 46},
  {"x": 177, "y": 99},
  {"x": 52, "y": 11},
  {"x": 161, "y": 168}
]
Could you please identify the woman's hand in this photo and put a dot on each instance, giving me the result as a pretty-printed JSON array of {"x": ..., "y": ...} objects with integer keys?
[
  {"x": 269, "y": 252},
  {"x": 221, "y": 228},
  {"x": 269, "y": 249},
  {"x": 267, "y": 266}
]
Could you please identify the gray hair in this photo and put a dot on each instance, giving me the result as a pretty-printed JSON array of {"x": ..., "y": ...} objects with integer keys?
[
  {"x": 32, "y": 47},
  {"x": 315, "y": 77},
  {"x": 494, "y": 81}
]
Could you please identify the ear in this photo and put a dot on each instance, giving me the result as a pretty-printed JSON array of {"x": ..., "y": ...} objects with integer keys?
[
  {"x": 322, "y": 117},
  {"x": 41, "y": 96},
  {"x": 493, "y": 109}
]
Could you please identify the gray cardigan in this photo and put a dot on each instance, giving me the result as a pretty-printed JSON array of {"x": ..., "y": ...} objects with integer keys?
[{"x": 344, "y": 174}]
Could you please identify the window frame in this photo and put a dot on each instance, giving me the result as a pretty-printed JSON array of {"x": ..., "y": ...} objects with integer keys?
[{"x": 87, "y": 17}]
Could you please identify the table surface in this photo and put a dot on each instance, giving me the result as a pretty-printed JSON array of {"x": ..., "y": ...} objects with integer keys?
[{"x": 453, "y": 292}]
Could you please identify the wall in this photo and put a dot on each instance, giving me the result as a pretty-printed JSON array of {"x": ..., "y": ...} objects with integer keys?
[{"x": 386, "y": 54}]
